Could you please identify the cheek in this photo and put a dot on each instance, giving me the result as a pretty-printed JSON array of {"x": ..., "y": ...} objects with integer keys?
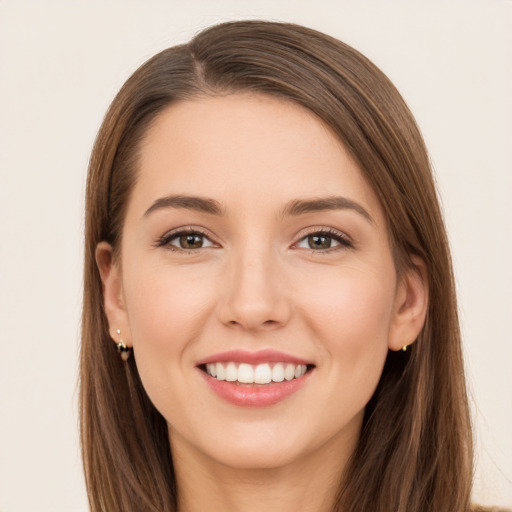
[
  {"x": 349, "y": 318},
  {"x": 166, "y": 313},
  {"x": 165, "y": 306},
  {"x": 351, "y": 300}
]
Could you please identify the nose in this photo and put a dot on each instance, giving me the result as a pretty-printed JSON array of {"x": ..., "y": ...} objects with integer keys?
[{"x": 254, "y": 295}]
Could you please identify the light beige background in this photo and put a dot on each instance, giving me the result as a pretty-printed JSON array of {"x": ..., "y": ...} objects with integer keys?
[{"x": 60, "y": 65}]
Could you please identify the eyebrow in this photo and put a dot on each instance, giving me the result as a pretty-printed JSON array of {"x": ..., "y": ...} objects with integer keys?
[
  {"x": 301, "y": 206},
  {"x": 293, "y": 208},
  {"x": 199, "y": 204}
]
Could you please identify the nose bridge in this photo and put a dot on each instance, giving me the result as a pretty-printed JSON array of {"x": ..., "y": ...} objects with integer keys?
[{"x": 254, "y": 296}]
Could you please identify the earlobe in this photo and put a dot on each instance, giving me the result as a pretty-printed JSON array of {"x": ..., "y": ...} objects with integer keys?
[
  {"x": 411, "y": 305},
  {"x": 113, "y": 298}
]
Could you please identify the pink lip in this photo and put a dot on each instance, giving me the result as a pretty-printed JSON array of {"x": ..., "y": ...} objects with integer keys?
[
  {"x": 262, "y": 356},
  {"x": 256, "y": 395}
]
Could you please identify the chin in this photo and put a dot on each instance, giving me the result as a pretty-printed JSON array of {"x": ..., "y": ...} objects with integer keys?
[
  {"x": 256, "y": 456},
  {"x": 242, "y": 444}
]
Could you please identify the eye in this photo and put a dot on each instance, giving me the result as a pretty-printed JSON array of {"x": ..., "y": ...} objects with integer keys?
[
  {"x": 186, "y": 240},
  {"x": 323, "y": 241}
]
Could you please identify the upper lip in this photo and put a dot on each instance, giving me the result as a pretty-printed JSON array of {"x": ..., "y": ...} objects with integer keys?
[{"x": 260, "y": 356}]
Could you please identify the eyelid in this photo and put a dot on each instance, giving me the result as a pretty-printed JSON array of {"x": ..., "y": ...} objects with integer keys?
[
  {"x": 344, "y": 240},
  {"x": 164, "y": 240}
]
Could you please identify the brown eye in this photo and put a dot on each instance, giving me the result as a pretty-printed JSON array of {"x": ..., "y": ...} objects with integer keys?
[
  {"x": 323, "y": 241},
  {"x": 319, "y": 241},
  {"x": 191, "y": 241},
  {"x": 185, "y": 240}
]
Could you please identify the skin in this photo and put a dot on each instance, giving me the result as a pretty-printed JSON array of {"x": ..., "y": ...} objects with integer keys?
[{"x": 257, "y": 284}]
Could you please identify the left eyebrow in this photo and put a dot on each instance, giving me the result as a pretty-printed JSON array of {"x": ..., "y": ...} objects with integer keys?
[
  {"x": 199, "y": 204},
  {"x": 301, "y": 206}
]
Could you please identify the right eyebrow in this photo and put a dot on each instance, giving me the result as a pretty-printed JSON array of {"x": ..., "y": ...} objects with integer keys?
[
  {"x": 200, "y": 204},
  {"x": 301, "y": 206}
]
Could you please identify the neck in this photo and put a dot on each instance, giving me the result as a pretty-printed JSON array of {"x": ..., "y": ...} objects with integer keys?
[{"x": 311, "y": 485}]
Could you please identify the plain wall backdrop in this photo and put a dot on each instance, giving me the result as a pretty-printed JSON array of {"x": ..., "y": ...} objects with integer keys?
[{"x": 61, "y": 62}]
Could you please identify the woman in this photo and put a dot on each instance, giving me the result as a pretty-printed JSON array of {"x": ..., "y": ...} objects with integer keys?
[{"x": 265, "y": 248}]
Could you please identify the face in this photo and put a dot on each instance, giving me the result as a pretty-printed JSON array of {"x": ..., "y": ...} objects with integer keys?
[{"x": 256, "y": 282}]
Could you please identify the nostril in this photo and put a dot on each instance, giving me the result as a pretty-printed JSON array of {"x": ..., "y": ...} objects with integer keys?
[{"x": 255, "y": 325}]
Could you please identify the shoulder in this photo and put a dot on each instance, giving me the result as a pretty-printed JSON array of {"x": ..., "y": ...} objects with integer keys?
[{"x": 478, "y": 508}]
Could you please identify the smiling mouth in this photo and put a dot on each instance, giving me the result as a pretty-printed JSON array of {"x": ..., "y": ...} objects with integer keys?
[{"x": 263, "y": 373}]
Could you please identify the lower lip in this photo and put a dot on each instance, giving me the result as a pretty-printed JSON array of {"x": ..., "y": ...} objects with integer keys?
[{"x": 247, "y": 395}]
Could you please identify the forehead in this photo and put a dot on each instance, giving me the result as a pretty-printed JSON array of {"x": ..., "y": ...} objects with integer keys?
[{"x": 242, "y": 147}]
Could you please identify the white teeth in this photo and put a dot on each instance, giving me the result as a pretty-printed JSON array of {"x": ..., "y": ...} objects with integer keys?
[
  {"x": 289, "y": 372},
  {"x": 231, "y": 372},
  {"x": 221, "y": 374},
  {"x": 260, "y": 374},
  {"x": 211, "y": 368},
  {"x": 245, "y": 373},
  {"x": 278, "y": 373}
]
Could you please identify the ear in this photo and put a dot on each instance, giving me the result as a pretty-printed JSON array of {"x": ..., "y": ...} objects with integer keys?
[
  {"x": 411, "y": 305},
  {"x": 113, "y": 297}
]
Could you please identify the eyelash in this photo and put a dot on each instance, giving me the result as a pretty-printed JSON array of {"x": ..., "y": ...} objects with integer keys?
[
  {"x": 166, "y": 240},
  {"x": 342, "y": 239}
]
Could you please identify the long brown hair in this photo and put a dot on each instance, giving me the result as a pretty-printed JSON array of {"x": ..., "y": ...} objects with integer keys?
[{"x": 415, "y": 450}]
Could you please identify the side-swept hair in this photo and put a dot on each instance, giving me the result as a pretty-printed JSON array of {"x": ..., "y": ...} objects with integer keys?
[{"x": 415, "y": 449}]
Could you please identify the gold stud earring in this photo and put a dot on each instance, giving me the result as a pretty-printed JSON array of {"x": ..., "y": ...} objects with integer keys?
[
  {"x": 123, "y": 350},
  {"x": 404, "y": 348}
]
